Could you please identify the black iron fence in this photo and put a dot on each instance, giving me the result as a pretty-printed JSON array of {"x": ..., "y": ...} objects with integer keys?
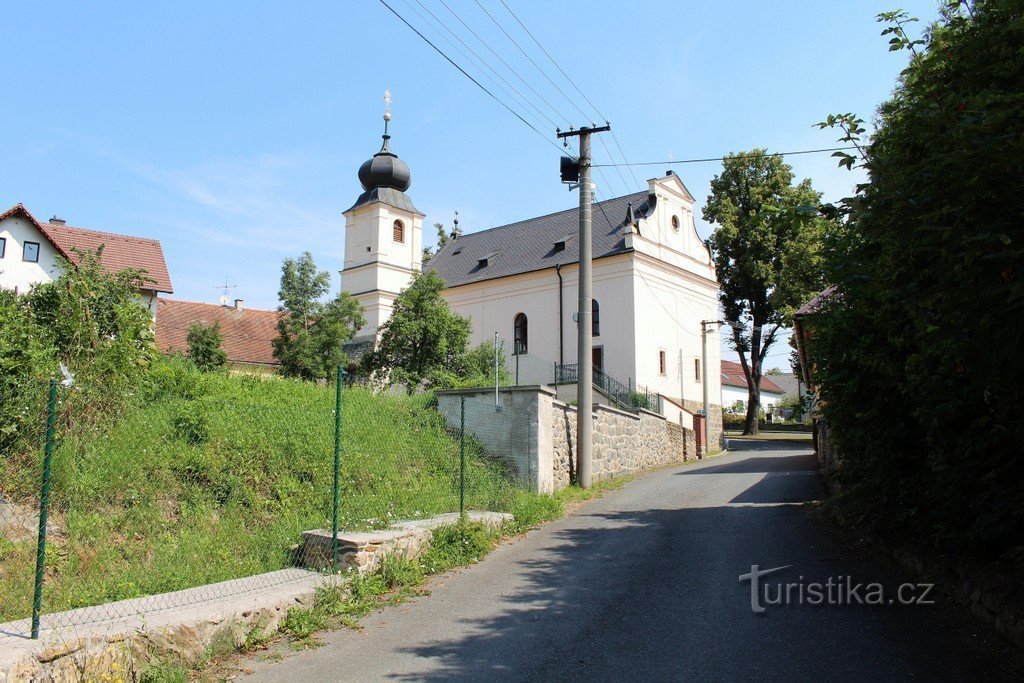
[{"x": 623, "y": 396}]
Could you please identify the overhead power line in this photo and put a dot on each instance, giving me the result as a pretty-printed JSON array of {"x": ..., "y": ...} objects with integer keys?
[
  {"x": 551, "y": 58},
  {"x": 734, "y": 156},
  {"x": 470, "y": 77},
  {"x": 477, "y": 60},
  {"x": 507, "y": 65},
  {"x": 527, "y": 55}
]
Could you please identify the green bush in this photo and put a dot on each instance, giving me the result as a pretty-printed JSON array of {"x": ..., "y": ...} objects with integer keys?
[
  {"x": 918, "y": 354},
  {"x": 204, "y": 347}
]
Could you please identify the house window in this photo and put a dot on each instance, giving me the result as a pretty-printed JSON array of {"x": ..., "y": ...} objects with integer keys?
[
  {"x": 3, "y": 246},
  {"x": 31, "y": 252},
  {"x": 595, "y": 318},
  {"x": 398, "y": 231},
  {"x": 597, "y": 357},
  {"x": 675, "y": 223},
  {"x": 519, "y": 328},
  {"x": 696, "y": 370},
  {"x": 661, "y": 363}
]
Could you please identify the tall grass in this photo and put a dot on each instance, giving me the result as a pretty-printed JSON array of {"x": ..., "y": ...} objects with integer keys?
[{"x": 204, "y": 478}]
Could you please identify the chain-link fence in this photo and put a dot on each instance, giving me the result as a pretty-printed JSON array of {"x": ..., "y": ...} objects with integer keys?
[{"x": 199, "y": 480}]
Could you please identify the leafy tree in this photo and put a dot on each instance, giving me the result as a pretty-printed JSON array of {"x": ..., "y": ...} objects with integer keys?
[
  {"x": 918, "y": 355},
  {"x": 310, "y": 332},
  {"x": 767, "y": 254},
  {"x": 422, "y": 337},
  {"x": 204, "y": 346}
]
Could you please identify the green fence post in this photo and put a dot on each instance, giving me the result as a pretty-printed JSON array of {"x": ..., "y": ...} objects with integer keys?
[
  {"x": 462, "y": 455},
  {"x": 337, "y": 468},
  {"x": 44, "y": 502}
]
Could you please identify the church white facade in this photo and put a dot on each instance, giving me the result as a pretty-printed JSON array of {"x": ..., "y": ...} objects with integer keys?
[{"x": 653, "y": 284}]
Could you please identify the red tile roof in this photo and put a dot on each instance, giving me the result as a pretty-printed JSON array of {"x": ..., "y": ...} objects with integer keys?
[
  {"x": 247, "y": 332},
  {"x": 732, "y": 375},
  {"x": 120, "y": 252}
]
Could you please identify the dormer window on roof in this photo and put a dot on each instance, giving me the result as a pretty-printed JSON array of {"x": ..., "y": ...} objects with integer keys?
[
  {"x": 561, "y": 241},
  {"x": 484, "y": 261}
]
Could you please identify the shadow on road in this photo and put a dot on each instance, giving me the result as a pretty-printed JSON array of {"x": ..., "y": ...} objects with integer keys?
[
  {"x": 655, "y": 594},
  {"x": 763, "y": 463}
]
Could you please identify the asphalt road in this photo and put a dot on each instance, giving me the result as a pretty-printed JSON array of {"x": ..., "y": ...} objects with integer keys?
[{"x": 643, "y": 584}]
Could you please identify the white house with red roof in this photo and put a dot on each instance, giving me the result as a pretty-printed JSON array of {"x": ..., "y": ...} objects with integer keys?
[
  {"x": 29, "y": 249},
  {"x": 734, "y": 389}
]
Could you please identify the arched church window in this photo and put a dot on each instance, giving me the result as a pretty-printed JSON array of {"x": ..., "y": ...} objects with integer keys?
[
  {"x": 675, "y": 223},
  {"x": 519, "y": 327},
  {"x": 398, "y": 231},
  {"x": 595, "y": 318}
]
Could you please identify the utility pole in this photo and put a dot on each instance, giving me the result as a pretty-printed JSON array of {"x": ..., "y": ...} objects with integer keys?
[
  {"x": 704, "y": 362},
  {"x": 584, "y": 338}
]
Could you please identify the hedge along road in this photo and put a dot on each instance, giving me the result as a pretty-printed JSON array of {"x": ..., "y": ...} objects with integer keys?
[{"x": 644, "y": 584}]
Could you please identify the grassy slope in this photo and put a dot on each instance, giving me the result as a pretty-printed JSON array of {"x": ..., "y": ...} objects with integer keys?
[{"x": 194, "y": 484}]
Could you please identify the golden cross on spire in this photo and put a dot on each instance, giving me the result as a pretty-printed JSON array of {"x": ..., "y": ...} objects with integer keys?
[{"x": 387, "y": 105}]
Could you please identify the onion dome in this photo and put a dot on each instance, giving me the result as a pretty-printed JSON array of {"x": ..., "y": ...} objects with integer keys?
[{"x": 385, "y": 169}]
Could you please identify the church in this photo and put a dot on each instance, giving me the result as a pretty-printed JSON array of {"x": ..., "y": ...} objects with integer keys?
[{"x": 653, "y": 284}]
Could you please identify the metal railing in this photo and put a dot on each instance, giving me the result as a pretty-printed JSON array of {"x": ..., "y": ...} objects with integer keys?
[{"x": 624, "y": 396}]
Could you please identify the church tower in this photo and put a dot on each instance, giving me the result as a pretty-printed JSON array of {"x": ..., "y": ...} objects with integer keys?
[{"x": 383, "y": 236}]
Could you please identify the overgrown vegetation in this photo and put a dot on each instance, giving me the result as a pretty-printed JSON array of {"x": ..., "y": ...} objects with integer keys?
[
  {"x": 204, "y": 477},
  {"x": 918, "y": 354},
  {"x": 88, "y": 320}
]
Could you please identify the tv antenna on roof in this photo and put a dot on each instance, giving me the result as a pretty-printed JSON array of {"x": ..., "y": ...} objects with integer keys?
[{"x": 224, "y": 299}]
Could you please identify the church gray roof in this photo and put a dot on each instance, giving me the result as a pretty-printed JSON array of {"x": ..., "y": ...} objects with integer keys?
[{"x": 535, "y": 244}]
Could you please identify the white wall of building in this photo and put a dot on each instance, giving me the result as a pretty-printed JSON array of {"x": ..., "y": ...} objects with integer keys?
[
  {"x": 377, "y": 267},
  {"x": 731, "y": 394},
  {"x": 492, "y": 305},
  {"x": 15, "y": 272}
]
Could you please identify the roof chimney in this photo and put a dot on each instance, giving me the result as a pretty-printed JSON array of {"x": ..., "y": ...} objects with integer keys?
[
  {"x": 238, "y": 304},
  {"x": 58, "y": 221}
]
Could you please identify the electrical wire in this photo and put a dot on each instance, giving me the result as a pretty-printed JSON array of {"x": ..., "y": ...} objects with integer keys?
[
  {"x": 467, "y": 75},
  {"x": 526, "y": 54},
  {"x": 480, "y": 62},
  {"x": 558, "y": 66},
  {"x": 733, "y": 156},
  {"x": 507, "y": 65}
]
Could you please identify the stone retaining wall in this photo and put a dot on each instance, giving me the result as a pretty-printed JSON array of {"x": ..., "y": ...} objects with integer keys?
[{"x": 624, "y": 443}]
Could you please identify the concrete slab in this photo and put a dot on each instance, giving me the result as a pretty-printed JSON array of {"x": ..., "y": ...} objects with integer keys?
[{"x": 114, "y": 621}]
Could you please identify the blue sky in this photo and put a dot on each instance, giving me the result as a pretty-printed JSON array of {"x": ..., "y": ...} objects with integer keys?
[{"x": 232, "y": 132}]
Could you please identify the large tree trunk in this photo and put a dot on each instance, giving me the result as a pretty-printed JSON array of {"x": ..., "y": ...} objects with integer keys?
[{"x": 751, "y": 427}]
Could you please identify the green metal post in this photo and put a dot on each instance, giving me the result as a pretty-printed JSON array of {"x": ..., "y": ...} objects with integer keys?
[
  {"x": 462, "y": 455},
  {"x": 337, "y": 469},
  {"x": 44, "y": 502}
]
